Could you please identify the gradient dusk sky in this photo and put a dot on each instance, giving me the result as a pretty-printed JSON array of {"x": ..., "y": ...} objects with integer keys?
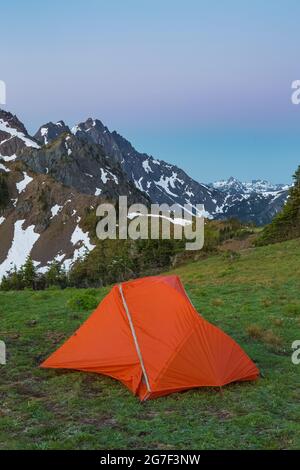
[{"x": 203, "y": 84}]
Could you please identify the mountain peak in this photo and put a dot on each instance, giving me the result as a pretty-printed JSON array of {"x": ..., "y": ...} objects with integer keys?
[
  {"x": 50, "y": 131},
  {"x": 259, "y": 186},
  {"x": 12, "y": 121},
  {"x": 13, "y": 137}
]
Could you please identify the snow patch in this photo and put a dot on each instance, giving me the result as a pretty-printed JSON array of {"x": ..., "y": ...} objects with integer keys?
[
  {"x": 22, "y": 244},
  {"x": 55, "y": 210},
  {"x": 105, "y": 177},
  {"x": 44, "y": 133},
  {"x": 164, "y": 183},
  {"x": 147, "y": 167},
  {"x": 138, "y": 184},
  {"x": 2, "y": 167},
  {"x": 22, "y": 185},
  {"x": 15, "y": 133},
  {"x": 77, "y": 237},
  {"x": 8, "y": 159}
]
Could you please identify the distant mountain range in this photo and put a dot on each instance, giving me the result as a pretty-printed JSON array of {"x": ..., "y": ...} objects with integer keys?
[
  {"x": 234, "y": 186},
  {"x": 51, "y": 180}
]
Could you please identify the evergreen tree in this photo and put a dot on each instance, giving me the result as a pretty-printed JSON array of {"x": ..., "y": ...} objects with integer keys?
[
  {"x": 13, "y": 280},
  {"x": 56, "y": 275},
  {"x": 29, "y": 273},
  {"x": 286, "y": 225}
]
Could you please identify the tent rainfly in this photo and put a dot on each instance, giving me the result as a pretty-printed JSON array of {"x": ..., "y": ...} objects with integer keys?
[{"x": 147, "y": 334}]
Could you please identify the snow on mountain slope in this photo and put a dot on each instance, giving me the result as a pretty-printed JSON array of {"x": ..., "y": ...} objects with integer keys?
[
  {"x": 232, "y": 185},
  {"x": 44, "y": 221},
  {"x": 161, "y": 181},
  {"x": 13, "y": 136},
  {"x": 257, "y": 201},
  {"x": 14, "y": 133},
  {"x": 22, "y": 243},
  {"x": 166, "y": 183}
]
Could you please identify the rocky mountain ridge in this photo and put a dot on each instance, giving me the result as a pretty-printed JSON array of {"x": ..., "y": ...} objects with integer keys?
[{"x": 51, "y": 182}]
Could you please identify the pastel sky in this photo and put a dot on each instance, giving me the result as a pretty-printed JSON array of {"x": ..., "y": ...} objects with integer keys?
[{"x": 204, "y": 84}]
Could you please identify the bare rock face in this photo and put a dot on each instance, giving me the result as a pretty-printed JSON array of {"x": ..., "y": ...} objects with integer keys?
[
  {"x": 83, "y": 166},
  {"x": 13, "y": 137},
  {"x": 50, "y": 131},
  {"x": 161, "y": 181},
  {"x": 92, "y": 130}
]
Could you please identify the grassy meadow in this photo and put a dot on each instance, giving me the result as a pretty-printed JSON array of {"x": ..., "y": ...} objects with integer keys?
[{"x": 253, "y": 297}]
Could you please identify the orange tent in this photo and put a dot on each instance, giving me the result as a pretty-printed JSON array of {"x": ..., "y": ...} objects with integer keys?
[{"x": 147, "y": 334}]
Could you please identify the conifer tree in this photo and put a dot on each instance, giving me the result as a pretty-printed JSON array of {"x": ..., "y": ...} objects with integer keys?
[
  {"x": 29, "y": 273},
  {"x": 286, "y": 225}
]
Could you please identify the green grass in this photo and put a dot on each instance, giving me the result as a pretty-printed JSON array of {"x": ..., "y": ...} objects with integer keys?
[{"x": 254, "y": 298}]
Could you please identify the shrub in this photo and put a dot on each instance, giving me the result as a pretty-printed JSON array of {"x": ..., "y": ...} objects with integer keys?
[
  {"x": 82, "y": 301},
  {"x": 292, "y": 309}
]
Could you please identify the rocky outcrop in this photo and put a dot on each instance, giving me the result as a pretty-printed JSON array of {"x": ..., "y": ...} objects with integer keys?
[
  {"x": 13, "y": 137},
  {"x": 83, "y": 166},
  {"x": 50, "y": 131}
]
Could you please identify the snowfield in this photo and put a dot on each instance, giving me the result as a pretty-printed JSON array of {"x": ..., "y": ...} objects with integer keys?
[
  {"x": 22, "y": 185},
  {"x": 22, "y": 244},
  {"x": 15, "y": 133}
]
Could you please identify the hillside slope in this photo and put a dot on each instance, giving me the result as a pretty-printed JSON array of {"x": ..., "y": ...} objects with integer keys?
[{"x": 255, "y": 299}]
